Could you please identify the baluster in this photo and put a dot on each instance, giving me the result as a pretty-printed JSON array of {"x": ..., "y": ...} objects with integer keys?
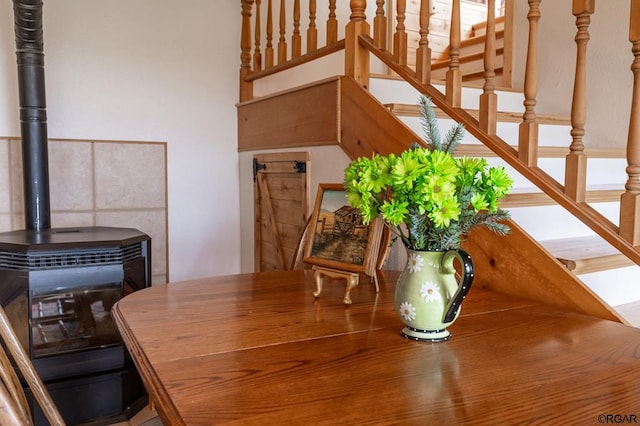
[
  {"x": 489, "y": 99},
  {"x": 630, "y": 200},
  {"x": 575, "y": 176},
  {"x": 528, "y": 130},
  {"x": 454, "y": 77},
  {"x": 380, "y": 26},
  {"x": 246, "y": 88},
  {"x": 423, "y": 52},
  {"x": 312, "y": 31},
  {"x": 268, "y": 51},
  {"x": 356, "y": 57},
  {"x": 257, "y": 56},
  {"x": 296, "y": 39},
  {"x": 282, "y": 43},
  {"x": 332, "y": 23},
  {"x": 400, "y": 35}
]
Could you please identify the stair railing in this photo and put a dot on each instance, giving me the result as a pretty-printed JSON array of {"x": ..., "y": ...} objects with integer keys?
[{"x": 359, "y": 45}]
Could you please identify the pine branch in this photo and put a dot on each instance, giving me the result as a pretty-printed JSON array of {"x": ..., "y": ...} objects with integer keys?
[
  {"x": 453, "y": 138},
  {"x": 429, "y": 123}
]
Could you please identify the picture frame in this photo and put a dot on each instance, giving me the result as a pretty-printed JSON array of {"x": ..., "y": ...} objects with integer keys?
[{"x": 338, "y": 239}]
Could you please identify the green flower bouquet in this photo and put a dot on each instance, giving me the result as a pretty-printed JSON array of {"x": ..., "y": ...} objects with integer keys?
[{"x": 430, "y": 198}]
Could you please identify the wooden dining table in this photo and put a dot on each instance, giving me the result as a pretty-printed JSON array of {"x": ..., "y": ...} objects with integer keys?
[{"x": 261, "y": 349}]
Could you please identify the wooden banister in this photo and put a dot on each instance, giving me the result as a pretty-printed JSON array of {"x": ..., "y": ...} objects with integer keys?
[
  {"x": 489, "y": 99},
  {"x": 400, "y": 35},
  {"x": 332, "y": 23},
  {"x": 282, "y": 41},
  {"x": 423, "y": 52},
  {"x": 528, "y": 130},
  {"x": 630, "y": 200},
  {"x": 312, "y": 31},
  {"x": 296, "y": 38},
  {"x": 380, "y": 26},
  {"x": 453, "y": 91},
  {"x": 246, "y": 88},
  {"x": 575, "y": 180},
  {"x": 268, "y": 52},
  {"x": 257, "y": 53}
]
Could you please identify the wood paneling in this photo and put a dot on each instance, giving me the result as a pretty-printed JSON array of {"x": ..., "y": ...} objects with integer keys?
[
  {"x": 303, "y": 116},
  {"x": 366, "y": 123},
  {"x": 517, "y": 265}
]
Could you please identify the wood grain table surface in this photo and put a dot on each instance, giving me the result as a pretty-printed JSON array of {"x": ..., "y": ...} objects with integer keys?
[{"x": 260, "y": 349}]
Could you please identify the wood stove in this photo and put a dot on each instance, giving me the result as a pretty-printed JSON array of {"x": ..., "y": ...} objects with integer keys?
[{"x": 58, "y": 285}]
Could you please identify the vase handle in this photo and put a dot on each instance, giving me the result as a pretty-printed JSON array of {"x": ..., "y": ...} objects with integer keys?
[{"x": 463, "y": 286}]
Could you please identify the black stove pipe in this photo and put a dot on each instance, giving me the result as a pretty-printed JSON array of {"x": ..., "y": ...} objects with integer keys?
[{"x": 33, "y": 112}]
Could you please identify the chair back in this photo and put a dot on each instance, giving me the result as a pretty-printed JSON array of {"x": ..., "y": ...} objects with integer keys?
[{"x": 14, "y": 409}]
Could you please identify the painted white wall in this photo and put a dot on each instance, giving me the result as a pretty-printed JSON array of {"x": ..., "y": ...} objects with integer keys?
[
  {"x": 156, "y": 70},
  {"x": 609, "y": 57}
]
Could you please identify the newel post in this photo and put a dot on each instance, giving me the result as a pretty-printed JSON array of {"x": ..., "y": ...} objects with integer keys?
[
  {"x": 575, "y": 178},
  {"x": 246, "y": 87},
  {"x": 630, "y": 199},
  {"x": 357, "y": 57}
]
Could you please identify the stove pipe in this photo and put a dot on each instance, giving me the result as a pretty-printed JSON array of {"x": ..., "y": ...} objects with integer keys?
[{"x": 33, "y": 112}]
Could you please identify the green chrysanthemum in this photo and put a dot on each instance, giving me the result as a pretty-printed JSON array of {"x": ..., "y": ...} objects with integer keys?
[
  {"x": 444, "y": 212},
  {"x": 500, "y": 181},
  {"x": 439, "y": 188},
  {"x": 443, "y": 164},
  {"x": 479, "y": 202},
  {"x": 394, "y": 212},
  {"x": 405, "y": 171}
]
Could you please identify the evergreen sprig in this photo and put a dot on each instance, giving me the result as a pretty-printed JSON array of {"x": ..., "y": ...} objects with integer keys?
[{"x": 429, "y": 124}]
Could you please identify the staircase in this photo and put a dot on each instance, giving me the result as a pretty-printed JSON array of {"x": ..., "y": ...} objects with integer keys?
[
  {"x": 597, "y": 263},
  {"x": 472, "y": 55},
  {"x": 366, "y": 114}
]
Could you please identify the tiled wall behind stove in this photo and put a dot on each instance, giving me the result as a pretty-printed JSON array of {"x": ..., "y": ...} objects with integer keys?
[{"x": 96, "y": 183}]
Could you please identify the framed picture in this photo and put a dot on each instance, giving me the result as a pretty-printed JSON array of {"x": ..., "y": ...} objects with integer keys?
[{"x": 339, "y": 240}]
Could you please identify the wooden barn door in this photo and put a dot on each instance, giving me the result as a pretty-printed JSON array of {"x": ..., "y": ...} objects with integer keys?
[{"x": 280, "y": 206}]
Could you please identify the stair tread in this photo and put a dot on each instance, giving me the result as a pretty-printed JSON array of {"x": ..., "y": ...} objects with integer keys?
[
  {"x": 579, "y": 248},
  {"x": 503, "y": 116},
  {"x": 480, "y": 39},
  {"x": 599, "y": 187},
  {"x": 530, "y": 197},
  {"x": 630, "y": 312},
  {"x": 500, "y": 20},
  {"x": 479, "y": 150},
  {"x": 586, "y": 254}
]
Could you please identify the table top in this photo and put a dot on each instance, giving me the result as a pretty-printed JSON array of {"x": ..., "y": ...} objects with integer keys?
[{"x": 260, "y": 349}]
